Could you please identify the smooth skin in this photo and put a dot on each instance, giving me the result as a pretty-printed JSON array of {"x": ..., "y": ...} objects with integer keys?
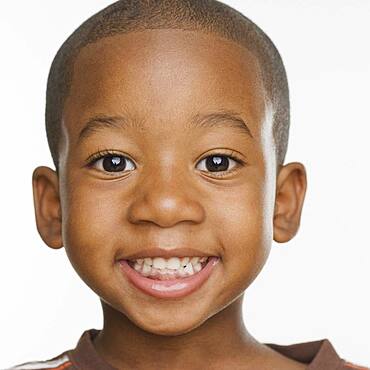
[{"x": 166, "y": 196}]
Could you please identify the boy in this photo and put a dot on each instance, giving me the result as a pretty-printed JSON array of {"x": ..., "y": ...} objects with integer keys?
[{"x": 168, "y": 124}]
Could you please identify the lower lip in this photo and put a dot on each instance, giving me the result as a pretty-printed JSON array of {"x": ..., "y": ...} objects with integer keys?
[{"x": 175, "y": 288}]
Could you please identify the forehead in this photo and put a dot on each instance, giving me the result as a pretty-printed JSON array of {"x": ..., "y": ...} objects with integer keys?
[{"x": 164, "y": 76}]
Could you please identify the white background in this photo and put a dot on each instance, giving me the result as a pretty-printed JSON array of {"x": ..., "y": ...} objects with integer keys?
[{"x": 314, "y": 287}]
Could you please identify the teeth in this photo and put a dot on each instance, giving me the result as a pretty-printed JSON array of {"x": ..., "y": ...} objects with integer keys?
[
  {"x": 146, "y": 270},
  {"x": 148, "y": 261},
  {"x": 163, "y": 269},
  {"x": 197, "y": 267},
  {"x": 181, "y": 272},
  {"x": 173, "y": 263},
  {"x": 189, "y": 269},
  {"x": 159, "y": 263}
]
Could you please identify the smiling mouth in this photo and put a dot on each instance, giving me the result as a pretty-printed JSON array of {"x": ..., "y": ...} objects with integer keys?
[
  {"x": 165, "y": 282},
  {"x": 159, "y": 268}
]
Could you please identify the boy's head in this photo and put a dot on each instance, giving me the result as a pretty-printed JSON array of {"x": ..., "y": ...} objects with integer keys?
[
  {"x": 208, "y": 16},
  {"x": 168, "y": 124}
]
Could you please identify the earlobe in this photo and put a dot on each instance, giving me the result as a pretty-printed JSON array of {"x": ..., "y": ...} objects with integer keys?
[
  {"x": 45, "y": 185},
  {"x": 290, "y": 193}
]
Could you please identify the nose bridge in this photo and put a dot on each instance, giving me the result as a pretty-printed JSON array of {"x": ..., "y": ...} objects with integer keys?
[{"x": 164, "y": 194}]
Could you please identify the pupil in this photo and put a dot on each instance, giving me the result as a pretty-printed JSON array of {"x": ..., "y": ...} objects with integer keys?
[
  {"x": 113, "y": 164},
  {"x": 217, "y": 163}
]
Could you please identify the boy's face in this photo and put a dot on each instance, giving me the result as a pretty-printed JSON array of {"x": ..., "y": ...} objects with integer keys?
[{"x": 165, "y": 194}]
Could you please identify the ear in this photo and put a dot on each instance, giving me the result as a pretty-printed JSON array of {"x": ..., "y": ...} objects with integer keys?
[
  {"x": 45, "y": 184},
  {"x": 290, "y": 192}
]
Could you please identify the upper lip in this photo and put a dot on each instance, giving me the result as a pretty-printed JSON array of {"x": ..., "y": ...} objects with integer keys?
[{"x": 167, "y": 253}]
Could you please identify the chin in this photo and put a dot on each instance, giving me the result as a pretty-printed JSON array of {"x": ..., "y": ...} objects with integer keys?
[{"x": 166, "y": 322}]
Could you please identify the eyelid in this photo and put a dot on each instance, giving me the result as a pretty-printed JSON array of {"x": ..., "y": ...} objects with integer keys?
[
  {"x": 92, "y": 158},
  {"x": 226, "y": 152}
]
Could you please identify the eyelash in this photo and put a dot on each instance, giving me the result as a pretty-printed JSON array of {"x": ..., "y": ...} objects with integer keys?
[{"x": 92, "y": 159}]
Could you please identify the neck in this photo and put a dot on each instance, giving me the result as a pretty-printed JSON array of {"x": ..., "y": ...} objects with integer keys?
[{"x": 124, "y": 345}]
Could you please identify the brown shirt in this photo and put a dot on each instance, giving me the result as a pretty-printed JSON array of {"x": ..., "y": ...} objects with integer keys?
[{"x": 318, "y": 355}]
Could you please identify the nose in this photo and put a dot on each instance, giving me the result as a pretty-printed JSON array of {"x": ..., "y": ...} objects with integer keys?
[{"x": 165, "y": 200}]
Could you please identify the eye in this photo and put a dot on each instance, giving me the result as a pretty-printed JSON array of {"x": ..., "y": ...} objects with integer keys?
[
  {"x": 219, "y": 164},
  {"x": 110, "y": 162}
]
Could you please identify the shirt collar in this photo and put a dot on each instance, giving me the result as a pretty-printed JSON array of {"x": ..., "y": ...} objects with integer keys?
[{"x": 318, "y": 354}]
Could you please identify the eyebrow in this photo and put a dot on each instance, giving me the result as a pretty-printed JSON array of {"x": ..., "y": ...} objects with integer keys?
[{"x": 221, "y": 118}]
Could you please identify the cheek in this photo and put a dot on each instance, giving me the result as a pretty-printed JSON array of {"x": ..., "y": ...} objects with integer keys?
[
  {"x": 89, "y": 229},
  {"x": 245, "y": 233}
]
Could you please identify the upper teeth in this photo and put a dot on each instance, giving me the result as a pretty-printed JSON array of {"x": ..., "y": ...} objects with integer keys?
[
  {"x": 172, "y": 263},
  {"x": 172, "y": 268}
]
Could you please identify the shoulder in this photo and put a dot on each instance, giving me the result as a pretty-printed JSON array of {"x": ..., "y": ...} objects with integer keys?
[
  {"x": 351, "y": 366},
  {"x": 60, "y": 362}
]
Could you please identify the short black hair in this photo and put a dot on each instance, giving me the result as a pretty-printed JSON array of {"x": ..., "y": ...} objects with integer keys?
[{"x": 209, "y": 16}]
